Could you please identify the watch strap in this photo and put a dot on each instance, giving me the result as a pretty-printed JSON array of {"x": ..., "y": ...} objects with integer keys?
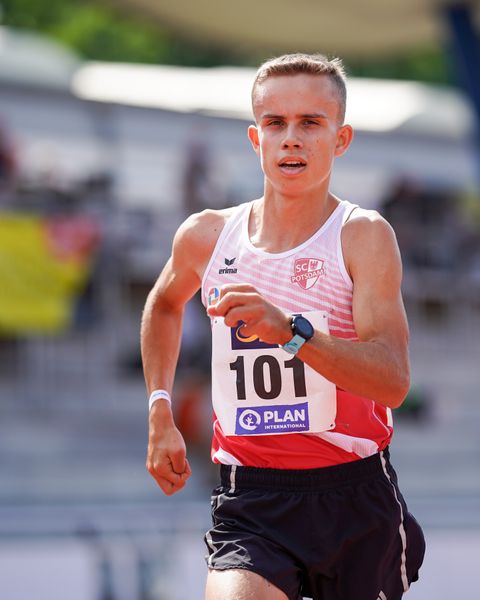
[{"x": 294, "y": 345}]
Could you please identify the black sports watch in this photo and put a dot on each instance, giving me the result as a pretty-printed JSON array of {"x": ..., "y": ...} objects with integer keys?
[{"x": 302, "y": 332}]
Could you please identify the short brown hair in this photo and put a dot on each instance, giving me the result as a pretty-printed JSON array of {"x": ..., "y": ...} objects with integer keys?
[{"x": 311, "y": 64}]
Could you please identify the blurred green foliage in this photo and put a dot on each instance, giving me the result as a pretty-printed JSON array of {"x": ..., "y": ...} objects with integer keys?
[
  {"x": 100, "y": 31},
  {"x": 426, "y": 64}
]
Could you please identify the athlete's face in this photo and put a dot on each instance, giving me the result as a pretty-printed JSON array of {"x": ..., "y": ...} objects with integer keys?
[{"x": 298, "y": 133}]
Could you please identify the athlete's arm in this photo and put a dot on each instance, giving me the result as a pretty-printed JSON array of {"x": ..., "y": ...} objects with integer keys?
[
  {"x": 160, "y": 342},
  {"x": 377, "y": 367}
]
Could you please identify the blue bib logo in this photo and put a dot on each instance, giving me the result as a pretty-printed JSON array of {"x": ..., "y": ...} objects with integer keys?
[
  {"x": 249, "y": 419},
  {"x": 242, "y": 342},
  {"x": 280, "y": 418}
]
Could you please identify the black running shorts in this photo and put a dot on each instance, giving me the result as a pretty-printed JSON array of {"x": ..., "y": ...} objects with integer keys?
[{"x": 335, "y": 533}]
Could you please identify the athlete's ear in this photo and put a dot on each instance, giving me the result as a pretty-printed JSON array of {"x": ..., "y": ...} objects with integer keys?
[
  {"x": 253, "y": 137},
  {"x": 344, "y": 139}
]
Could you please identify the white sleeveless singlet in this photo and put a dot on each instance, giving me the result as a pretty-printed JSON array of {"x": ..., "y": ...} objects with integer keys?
[{"x": 272, "y": 410}]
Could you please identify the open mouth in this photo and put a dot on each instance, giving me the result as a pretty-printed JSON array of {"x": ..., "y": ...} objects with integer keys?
[{"x": 292, "y": 165}]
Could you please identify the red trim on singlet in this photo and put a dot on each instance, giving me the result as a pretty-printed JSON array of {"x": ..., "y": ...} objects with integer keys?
[{"x": 302, "y": 451}]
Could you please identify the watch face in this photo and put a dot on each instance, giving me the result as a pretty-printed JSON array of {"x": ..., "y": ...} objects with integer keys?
[{"x": 302, "y": 327}]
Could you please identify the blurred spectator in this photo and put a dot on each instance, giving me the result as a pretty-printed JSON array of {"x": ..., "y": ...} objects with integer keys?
[
  {"x": 438, "y": 231},
  {"x": 8, "y": 164},
  {"x": 199, "y": 190},
  {"x": 432, "y": 227}
]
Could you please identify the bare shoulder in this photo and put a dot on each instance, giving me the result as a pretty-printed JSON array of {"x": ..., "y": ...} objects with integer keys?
[
  {"x": 196, "y": 237},
  {"x": 368, "y": 238},
  {"x": 367, "y": 230},
  {"x": 201, "y": 230}
]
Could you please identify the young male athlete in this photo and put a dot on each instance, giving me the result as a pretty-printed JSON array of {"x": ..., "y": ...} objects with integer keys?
[{"x": 309, "y": 357}]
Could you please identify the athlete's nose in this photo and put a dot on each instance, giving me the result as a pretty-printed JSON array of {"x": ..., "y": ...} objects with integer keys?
[{"x": 291, "y": 138}]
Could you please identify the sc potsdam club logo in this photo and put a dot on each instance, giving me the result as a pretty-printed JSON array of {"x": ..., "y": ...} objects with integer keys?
[
  {"x": 249, "y": 419},
  {"x": 307, "y": 271}
]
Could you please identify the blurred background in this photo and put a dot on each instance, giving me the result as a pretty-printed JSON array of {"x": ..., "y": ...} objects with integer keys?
[{"x": 117, "y": 120}]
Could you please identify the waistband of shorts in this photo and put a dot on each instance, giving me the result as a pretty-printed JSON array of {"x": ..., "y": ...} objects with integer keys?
[{"x": 304, "y": 480}]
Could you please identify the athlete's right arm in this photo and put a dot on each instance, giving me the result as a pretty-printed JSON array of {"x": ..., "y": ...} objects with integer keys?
[{"x": 160, "y": 342}]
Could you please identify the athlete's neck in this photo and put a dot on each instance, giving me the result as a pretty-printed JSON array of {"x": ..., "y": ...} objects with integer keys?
[{"x": 280, "y": 224}]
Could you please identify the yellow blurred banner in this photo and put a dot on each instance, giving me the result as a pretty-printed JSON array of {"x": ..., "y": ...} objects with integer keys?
[{"x": 44, "y": 265}]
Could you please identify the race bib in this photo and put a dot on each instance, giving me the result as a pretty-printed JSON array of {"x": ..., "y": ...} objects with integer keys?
[{"x": 259, "y": 389}]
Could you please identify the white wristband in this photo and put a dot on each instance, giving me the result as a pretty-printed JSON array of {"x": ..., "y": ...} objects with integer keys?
[{"x": 157, "y": 395}]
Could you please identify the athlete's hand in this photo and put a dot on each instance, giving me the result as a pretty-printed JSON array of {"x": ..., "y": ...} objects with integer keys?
[
  {"x": 167, "y": 455},
  {"x": 242, "y": 302}
]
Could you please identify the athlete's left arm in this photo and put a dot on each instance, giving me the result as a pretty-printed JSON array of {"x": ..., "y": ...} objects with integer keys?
[{"x": 377, "y": 366}]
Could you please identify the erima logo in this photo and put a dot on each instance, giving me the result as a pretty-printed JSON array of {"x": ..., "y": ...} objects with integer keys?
[
  {"x": 272, "y": 419},
  {"x": 381, "y": 596},
  {"x": 228, "y": 269}
]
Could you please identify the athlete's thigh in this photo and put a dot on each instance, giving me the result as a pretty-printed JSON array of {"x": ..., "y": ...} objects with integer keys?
[{"x": 240, "y": 584}]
